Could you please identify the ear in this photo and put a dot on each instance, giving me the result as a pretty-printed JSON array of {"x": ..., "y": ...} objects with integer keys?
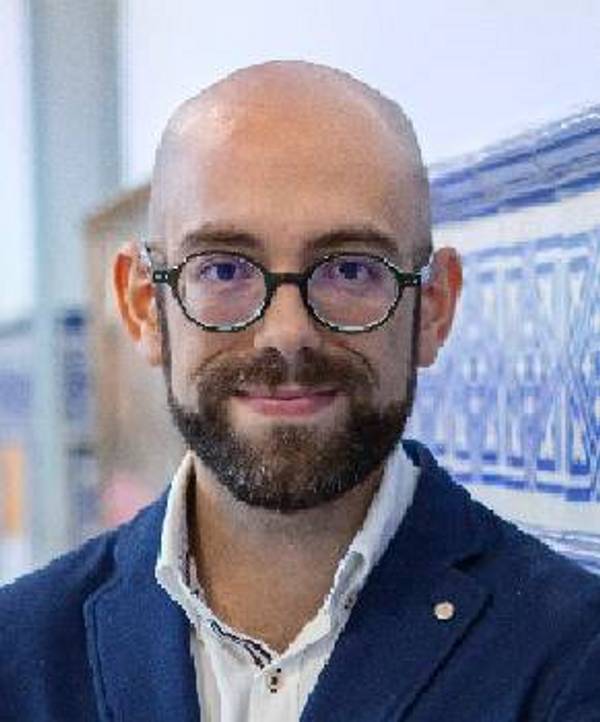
[
  {"x": 135, "y": 296},
  {"x": 439, "y": 297}
]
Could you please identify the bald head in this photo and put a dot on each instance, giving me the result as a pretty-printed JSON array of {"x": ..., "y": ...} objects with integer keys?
[{"x": 300, "y": 110}]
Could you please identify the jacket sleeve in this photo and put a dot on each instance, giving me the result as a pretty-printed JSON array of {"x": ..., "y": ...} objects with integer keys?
[{"x": 579, "y": 700}]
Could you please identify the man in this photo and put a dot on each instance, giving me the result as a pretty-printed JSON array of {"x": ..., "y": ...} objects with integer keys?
[{"x": 303, "y": 563}]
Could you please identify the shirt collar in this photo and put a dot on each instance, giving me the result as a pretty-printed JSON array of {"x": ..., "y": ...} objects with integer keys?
[
  {"x": 172, "y": 570},
  {"x": 176, "y": 574},
  {"x": 386, "y": 511}
]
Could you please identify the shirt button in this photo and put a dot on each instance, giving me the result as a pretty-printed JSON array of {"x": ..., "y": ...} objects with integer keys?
[
  {"x": 444, "y": 611},
  {"x": 274, "y": 681},
  {"x": 350, "y": 599}
]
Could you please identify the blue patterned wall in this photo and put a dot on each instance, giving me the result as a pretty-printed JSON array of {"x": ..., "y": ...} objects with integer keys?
[
  {"x": 519, "y": 380},
  {"x": 513, "y": 402}
]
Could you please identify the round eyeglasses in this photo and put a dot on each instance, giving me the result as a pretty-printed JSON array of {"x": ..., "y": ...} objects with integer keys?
[{"x": 346, "y": 292}]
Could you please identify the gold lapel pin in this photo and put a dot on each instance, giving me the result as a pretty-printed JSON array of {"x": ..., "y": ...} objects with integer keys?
[{"x": 444, "y": 611}]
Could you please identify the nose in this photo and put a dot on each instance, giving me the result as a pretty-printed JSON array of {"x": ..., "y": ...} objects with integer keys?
[{"x": 287, "y": 325}]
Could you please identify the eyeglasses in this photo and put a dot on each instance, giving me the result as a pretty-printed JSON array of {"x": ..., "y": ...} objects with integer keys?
[{"x": 345, "y": 292}]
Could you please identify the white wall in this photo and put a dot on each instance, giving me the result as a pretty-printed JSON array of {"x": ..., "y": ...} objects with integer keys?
[
  {"x": 469, "y": 72},
  {"x": 16, "y": 221}
]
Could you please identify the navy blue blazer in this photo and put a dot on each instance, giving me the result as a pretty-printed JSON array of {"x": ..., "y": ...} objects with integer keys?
[{"x": 93, "y": 637}]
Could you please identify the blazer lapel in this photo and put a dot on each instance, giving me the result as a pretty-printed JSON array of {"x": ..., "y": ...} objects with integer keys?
[
  {"x": 415, "y": 609},
  {"x": 138, "y": 639}
]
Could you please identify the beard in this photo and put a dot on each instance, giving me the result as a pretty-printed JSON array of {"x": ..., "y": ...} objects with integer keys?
[{"x": 289, "y": 467}]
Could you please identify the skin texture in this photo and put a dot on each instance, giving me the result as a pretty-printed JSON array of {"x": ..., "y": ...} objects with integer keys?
[{"x": 288, "y": 153}]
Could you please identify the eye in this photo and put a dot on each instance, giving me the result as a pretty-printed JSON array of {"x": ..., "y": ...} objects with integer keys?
[
  {"x": 353, "y": 270},
  {"x": 224, "y": 271},
  {"x": 220, "y": 269}
]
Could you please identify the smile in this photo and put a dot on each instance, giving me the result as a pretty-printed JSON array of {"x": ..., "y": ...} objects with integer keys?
[{"x": 287, "y": 401}]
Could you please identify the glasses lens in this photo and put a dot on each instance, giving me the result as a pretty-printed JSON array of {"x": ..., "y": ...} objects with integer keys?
[
  {"x": 352, "y": 291},
  {"x": 221, "y": 289}
]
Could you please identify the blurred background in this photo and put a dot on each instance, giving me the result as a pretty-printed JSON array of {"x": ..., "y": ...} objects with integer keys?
[{"x": 506, "y": 101}]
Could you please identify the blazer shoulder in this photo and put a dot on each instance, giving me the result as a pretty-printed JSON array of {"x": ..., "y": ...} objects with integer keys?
[
  {"x": 52, "y": 592},
  {"x": 51, "y": 599},
  {"x": 43, "y": 630},
  {"x": 532, "y": 563},
  {"x": 538, "y": 593},
  {"x": 511, "y": 562}
]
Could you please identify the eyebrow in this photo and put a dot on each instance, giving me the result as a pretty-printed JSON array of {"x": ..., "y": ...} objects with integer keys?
[
  {"x": 203, "y": 238},
  {"x": 358, "y": 236},
  {"x": 366, "y": 237}
]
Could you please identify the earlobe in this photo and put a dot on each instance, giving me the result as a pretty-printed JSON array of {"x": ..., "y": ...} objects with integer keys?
[
  {"x": 136, "y": 302},
  {"x": 439, "y": 298}
]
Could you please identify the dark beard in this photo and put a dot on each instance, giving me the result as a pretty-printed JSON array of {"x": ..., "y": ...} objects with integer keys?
[{"x": 292, "y": 467}]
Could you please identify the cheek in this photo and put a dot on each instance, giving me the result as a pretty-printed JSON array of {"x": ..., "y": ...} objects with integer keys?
[
  {"x": 191, "y": 350},
  {"x": 394, "y": 358},
  {"x": 190, "y": 346}
]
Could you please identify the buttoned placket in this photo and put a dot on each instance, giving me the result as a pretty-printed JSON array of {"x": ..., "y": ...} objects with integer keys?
[
  {"x": 275, "y": 682},
  {"x": 268, "y": 699},
  {"x": 275, "y": 692}
]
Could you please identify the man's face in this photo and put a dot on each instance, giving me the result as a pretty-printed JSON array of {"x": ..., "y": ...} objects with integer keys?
[{"x": 287, "y": 413}]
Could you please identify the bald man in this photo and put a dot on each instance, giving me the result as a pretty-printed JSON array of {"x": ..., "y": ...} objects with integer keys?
[{"x": 305, "y": 562}]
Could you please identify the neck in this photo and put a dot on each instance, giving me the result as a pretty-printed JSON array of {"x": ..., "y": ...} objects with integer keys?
[{"x": 263, "y": 572}]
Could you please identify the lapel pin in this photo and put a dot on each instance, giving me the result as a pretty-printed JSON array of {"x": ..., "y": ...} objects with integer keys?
[{"x": 444, "y": 611}]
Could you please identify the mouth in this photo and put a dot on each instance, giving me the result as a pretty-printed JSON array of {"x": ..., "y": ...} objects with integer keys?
[{"x": 286, "y": 400}]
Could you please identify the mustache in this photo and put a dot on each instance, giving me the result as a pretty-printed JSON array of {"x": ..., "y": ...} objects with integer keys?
[{"x": 310, "y": 368}]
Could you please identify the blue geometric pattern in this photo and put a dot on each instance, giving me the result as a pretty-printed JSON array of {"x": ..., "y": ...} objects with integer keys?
[
  {"x": 543, "y": 166},
  {"x": 514, "y": 399}
]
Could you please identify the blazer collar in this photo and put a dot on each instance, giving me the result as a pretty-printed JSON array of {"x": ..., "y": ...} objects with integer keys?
[{"x": 139, "y": 640}]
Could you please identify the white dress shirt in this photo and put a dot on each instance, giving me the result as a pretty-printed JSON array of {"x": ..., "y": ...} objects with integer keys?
[{"x": 241, "y": 679}]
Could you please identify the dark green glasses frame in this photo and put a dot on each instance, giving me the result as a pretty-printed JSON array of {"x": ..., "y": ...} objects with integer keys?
[{"x": 170, "y": 276}]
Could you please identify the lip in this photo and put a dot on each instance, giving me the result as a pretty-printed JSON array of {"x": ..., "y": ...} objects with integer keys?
[{"x": 287, "y": 401}]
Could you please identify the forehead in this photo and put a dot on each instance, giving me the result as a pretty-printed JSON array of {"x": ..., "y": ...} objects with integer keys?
[{"x": 288, "y": 173}]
